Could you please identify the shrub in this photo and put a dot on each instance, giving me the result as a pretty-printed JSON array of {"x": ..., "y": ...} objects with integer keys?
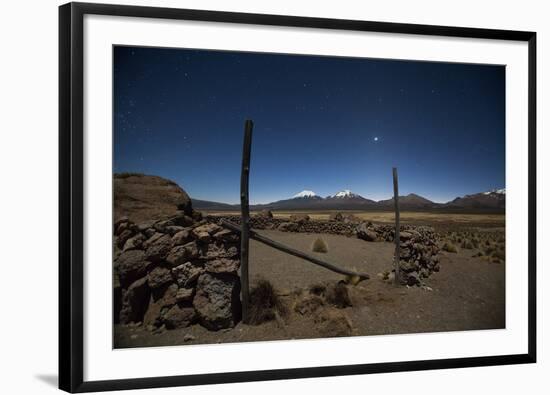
[
  {"x": 265, "y": 304},
  {"x": 338, "y": 295},
  {"x": 319, "y": 245},
  {"x": 449, "y": 247}
]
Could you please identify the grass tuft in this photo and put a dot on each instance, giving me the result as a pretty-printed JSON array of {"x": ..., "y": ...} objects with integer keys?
[
  {"x": 449, "y": 247},
  {"x": 265, "y": 304},
  {"x": 319, "y": 245}
]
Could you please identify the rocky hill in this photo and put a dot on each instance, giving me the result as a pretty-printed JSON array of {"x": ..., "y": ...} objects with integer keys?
[{"x": 141, "y": 197}]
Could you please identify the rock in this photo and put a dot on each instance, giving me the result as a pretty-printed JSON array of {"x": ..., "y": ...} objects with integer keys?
[
  {"x": 264, "y": 214},
  {"x": 196, "y": 215},
  {"x": 208, "y": 228},
  {"x": 117, "y": 298},
  {"x": 159, "y": 276},
  {"x": 202, "y": 237},
  {"x": 217, "y": 300},
  {"x": 410, "y": 279},
  {"x": 134, "y": 242},
  {"x": 160, "y": 300},
  {"x": 159, "y": 250},
  {"x": 333, "y": 323},
  {"x": 149, "y": 232},
  {"x": 222, "y": 265},
  {"x": 185, "y": 295},
  {"x": 336, "y": 217},
  {"x": 182, "y": 253},
  {"x": 179, "y": 317},
  {"x": 142, "y": 197},
  {"x": 186, "y": 274},
  {"x": 299, "y": 218},
  {"x": 159, "y": 330},
  {"x": 134, "y": 302},
  {"x": 173, "y": 229},
  {"x": 288, "y": 227},
  {"x": 143, "y": 226},
  {"x": 152, "y": 239},
  {"x": 130, "y": 266},
  {"x": 123, "y": 237},
  {"x": 227, "y": 236},
  {"x": 162, "y": 226},
  {"x": 183, "y": 219},
  {"x": 216, "y": 251},
  {"x": 364, "y": 233},
  {"x": 405, "y": 235},
  {"x": 188, "y": 337},
  {"x": 181, "y": 237},
  {"x": 120, "y": 220}
]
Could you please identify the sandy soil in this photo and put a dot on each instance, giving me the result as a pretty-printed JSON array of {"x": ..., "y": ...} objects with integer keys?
[{"x": 467, "y": 294}]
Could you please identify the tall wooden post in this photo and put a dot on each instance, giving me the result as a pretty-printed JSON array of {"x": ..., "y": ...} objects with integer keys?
[
  {"x": 245, "y": 219},
  {"x": 397, "y": 226}
]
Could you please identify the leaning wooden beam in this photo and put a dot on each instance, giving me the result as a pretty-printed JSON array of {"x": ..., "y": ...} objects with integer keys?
[
  {"x": 245, "y": 219},
  {"x": 281, "y": 247},
  {"x": 397, "y": 226}
]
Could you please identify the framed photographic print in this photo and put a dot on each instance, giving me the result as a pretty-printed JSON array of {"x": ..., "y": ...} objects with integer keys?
[{"x": 253, "y": 197}]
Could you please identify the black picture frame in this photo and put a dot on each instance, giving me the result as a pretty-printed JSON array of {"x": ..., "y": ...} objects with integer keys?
[{"x": 71, "y": 149}]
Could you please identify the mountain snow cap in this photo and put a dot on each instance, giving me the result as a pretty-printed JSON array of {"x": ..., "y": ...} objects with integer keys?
[
  {"x": 344, "y": 193},
  {"x": 497, "y": 191},
  {"x": 305, "y": 193}
]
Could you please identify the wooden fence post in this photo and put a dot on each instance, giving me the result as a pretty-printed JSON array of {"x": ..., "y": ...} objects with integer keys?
[
  {"x": 397, "y": 226},
  {"x": 245, "y": 219}
]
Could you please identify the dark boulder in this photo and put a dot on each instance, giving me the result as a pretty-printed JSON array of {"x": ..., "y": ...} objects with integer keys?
[
  {"x": 134, "y": 302},
  {"x": 130, "y": 266},
  {"x": 158, "y": 277},
  {"x": 364, "y": 233},
  {"x": 179, "y": 317},
  {"x": 217, "y": 300}
]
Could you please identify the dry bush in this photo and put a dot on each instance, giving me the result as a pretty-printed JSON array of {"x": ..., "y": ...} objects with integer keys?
[
  {"x": 449, "y": 247},
  {"x": 319, "y": 245},
  {"x": 338, "y": 295},
  {"x": 266, "y": 304},
  {"x": 318, "y": 289}
]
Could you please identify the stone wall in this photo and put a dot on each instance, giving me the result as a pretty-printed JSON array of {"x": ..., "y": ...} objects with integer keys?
[
  {"x": 173, "y": 273},
  {"x": 184, "y": 270},
  {"x": 418, "y": 244}
]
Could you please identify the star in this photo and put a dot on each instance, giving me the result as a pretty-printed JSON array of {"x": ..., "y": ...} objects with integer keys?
[{"x": 375, "y": 139}]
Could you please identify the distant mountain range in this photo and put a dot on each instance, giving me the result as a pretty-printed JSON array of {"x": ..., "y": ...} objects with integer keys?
[{"x": 490, "y": 201}]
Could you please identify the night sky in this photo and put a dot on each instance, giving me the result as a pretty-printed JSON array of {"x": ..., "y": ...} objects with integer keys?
[{"x": 320, "y": 123}]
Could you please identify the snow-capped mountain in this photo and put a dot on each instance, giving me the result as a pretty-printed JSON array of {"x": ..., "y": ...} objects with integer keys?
[
  {"x": 304, "y": 194},
  {"x": 346, "y": 193},
  {"x": 491, "y": 200},
  {"x": 497, "y": 191}
]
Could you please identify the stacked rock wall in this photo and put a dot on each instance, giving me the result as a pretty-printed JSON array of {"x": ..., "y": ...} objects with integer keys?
[
  {"x": 173, "y": 273},
  {"x": 418, "y": 244}
]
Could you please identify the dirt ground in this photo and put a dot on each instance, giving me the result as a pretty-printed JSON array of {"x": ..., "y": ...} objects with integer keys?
[{"x": 467, "y": 294}]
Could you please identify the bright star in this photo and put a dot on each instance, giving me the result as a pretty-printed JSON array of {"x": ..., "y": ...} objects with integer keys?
[{"x": 376, "y": 139}]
